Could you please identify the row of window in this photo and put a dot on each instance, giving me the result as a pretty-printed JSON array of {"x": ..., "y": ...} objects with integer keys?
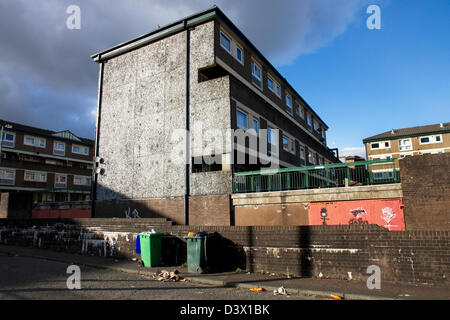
[
  {"x": 403, "y": 155},
  {"x": 233, "y": 48},
  {"x": 313, "y": 157},
  {"x": 406, "y": 144},
  {"x": 59, "y": 148},
  {"x": 246, "y": 121},
  {"x": 7, "y": 177}
]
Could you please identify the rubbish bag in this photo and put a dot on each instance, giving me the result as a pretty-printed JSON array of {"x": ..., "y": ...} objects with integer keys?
[{"x": 138, "y": 245}]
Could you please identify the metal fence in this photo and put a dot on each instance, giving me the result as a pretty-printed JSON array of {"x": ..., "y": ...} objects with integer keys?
[{"x": 348, "y": 174}]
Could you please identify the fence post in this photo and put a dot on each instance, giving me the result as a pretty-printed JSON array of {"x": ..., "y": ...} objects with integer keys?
[
  {"x": 306, "y": 179},
  {"x": 394, "y": 172},
  {"x": 347, "y": 176},
  {"x": 288, "y": 181}
]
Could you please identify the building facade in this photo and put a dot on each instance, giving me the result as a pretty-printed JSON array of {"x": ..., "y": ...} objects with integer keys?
[
  {"x": 53, "y": 166},
  {"x": 400, "y": 143},
  {"x": 199, "y": 74}
]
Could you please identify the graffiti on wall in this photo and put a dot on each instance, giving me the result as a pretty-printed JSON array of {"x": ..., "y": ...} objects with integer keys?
[
  {"x": 132, "y": 215},
  {"x": 324, "y": 214},
  {"x": 358, "y": 216},
  {"x": 387, "y": 213}
]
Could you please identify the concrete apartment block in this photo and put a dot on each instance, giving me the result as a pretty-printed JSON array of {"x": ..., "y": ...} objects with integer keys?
[{"x": 145, "y": 88}]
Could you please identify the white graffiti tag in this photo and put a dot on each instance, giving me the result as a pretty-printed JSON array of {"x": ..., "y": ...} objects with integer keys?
[
  {"x": 388, "y": 216},
  {"x": 134, "y": 214}
]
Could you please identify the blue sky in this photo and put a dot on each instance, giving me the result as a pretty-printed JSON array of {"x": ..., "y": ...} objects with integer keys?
[
  {"x": 365, "y": 82},
  {"x": 361, "y": 82}
]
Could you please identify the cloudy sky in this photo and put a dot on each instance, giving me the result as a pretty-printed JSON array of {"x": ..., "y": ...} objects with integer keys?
[{"x": 361, "y": 82}]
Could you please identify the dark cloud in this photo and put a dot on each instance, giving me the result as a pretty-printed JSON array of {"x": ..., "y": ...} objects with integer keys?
[{"x": 47, "y": 78}]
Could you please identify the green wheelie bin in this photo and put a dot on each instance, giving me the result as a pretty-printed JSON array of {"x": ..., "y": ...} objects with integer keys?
[
  {"x": 196, "y": 253},
  {"x": 150, "y": 243}
]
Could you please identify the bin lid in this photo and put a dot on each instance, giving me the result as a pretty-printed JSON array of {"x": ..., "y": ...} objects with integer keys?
[
  {"x": 151, "y": 234},
  {"x": 194, "y": 237}
]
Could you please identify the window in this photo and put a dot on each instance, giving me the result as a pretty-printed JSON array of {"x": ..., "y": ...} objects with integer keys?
[
  {"x": 80, "y": 149},
  {"x": 231, "y": 47},
  {"x": 225, "y": 42},
  {"x": 239, "y": 54},
  {"x": 288, "y": 144},
  {"x": 380, "y": 145},
  {"x": 7, "y": 176},
  {"x": 285, "y": 143},
  {"x": 299, "y": 111},
  {"x": 404, "y": 144},
  {"x": 256, "y": 74},
  {"x": 271, "y": 138},
  {"x": 302, "y": 155},
  {"x": 81, "y": 180},
  {"x": 59, "y": 148},
  {"x": 273, "y": 86},
  {"x": 310, "y": 157},
  {"x": 308, "y": 120},
  {"x": 289, "y": 103},
  {"x": 242, "y": 120},
  {"x": 35, "y": 176},
  {"x": 430, "y": 139},
  {"x": 302, "y": 112},
  {"x": 256, "y": 126},
  {"x": 34, "y": 141},
  {"x": 316, "y": 125},
  {"x": 270, "y": 84},
  {"x": 383, "y": 175},
  {"x": 8, "y": 139},
  {"x": 60, "y": 180}
]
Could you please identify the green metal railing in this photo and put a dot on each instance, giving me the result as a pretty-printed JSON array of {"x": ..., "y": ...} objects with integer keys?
[{"x": 322, "y": 176}]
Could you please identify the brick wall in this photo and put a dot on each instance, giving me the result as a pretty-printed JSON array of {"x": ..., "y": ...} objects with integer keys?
[
  {"x": 426, "y": 191},
  {"x": 203, "y": 210},
  {"x": 404, "y": 256},
  {"x": 16, "y": 205}
]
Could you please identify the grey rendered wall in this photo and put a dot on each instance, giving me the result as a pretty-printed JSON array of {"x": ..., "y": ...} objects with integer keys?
[{"x": 143, "y": 104}]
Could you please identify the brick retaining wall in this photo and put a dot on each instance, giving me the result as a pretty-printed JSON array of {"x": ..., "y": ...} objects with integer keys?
[
  {"x": 404, "y": 256},
  {"x": 426, "y": 191}
]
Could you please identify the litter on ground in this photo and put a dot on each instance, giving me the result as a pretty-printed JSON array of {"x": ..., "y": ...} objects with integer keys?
[
  {"x": 166, "y": 276},
  {"x": 281, "y": 290}
]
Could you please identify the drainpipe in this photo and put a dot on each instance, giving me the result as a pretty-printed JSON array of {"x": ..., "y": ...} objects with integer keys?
[
  {"x": 97, "y": 135},
  {"x": 188, "y": 147},
  {"x": 1, "y": 142}
]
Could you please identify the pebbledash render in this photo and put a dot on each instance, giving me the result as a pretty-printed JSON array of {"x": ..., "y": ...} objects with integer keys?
[{"x": 201, "y": 74}]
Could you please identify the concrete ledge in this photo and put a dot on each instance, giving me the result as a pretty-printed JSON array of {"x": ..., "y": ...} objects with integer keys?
[{"x": 320, "y": 195}]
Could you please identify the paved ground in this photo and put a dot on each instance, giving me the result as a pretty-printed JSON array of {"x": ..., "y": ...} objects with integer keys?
[
  {"x": 32, "y": 273},
  {"x": 34, "y": 278}
]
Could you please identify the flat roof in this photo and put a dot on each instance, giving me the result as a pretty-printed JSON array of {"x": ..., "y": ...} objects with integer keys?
[{"x": 213, "y": 13}]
